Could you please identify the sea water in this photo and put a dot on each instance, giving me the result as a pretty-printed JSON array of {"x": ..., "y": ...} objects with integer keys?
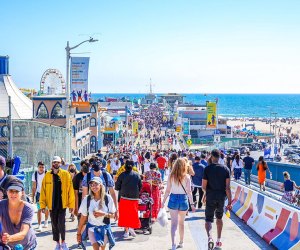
[{"x": 237, "y": 105}]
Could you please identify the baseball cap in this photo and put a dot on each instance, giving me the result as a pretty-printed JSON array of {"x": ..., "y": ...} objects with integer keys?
[
  {"x": 2, "y": 161},
  {"x": 16, "y": 185},
  {"x": 56, "y": 158},
  {"x": 96, "y": 179}
]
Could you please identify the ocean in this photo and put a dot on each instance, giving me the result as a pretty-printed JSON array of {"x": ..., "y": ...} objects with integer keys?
[{"x": 238, "y": 105}]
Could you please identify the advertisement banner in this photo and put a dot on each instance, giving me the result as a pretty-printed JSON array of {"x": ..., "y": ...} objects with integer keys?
[
  {"x": 79, "y": 81},
  {"x": 135, "y": 127},
  {"x": 186, "y": 127},
  {"x": 211, "y": 121}
]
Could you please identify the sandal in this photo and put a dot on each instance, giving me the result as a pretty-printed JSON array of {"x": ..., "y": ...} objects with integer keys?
[{"x": 210, "y": 244}]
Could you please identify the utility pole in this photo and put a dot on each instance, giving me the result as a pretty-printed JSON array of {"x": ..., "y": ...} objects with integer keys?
[{"x": 10, "y": 147}]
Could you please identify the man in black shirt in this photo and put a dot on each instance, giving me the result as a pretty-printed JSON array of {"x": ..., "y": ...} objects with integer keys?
[
  {"x": 216, "y": 186},
  {"x": 248, "y": 164}
]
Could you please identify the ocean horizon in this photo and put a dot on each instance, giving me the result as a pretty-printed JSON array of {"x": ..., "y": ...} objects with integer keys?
[{"x": 235, "y": 105}]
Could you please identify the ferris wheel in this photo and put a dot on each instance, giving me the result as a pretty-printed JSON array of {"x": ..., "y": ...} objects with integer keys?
[{"x": 52, "y": 83}]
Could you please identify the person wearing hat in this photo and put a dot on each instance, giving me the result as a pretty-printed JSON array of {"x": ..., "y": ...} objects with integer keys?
[
  {"x": 97, "y": 209},
  {"x": 57, "y": 194},
  {"x": 37, "y": 178},
  {"x": 5, "y": 179},
  {"x": 106, "y": 178},
  {"x": 16, "y": 217}
]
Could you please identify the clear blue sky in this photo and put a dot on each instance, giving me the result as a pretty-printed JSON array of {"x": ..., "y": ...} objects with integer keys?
[{"x": 223, "y": 46}]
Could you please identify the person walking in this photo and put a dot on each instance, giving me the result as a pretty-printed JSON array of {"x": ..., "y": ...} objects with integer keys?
[
  {"x": 216, "y": 186},
  {"x": 37, "y": 178},
  {"x": 162, "y": 165},
  {"x": 97, "y": 209},
  {"x": 248, "y": 163},
  {"x": 197, "y": 181},
  {"x": 129, "y": 185},
  {"x": 289, "y": 187},
  {"x": 16, "y": 217},
  {"x": 57, "y": 194},
  {"x": 237, "y": 166},
  {"x": 262, "y": 168},
  {"x": 180, "y": 191}
]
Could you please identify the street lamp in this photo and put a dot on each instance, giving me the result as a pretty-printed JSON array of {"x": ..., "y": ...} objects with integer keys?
[{"x": 68, "y": 56}]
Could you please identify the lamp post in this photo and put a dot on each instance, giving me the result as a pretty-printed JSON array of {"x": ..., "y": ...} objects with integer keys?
[{"x": 68, "y": 106}]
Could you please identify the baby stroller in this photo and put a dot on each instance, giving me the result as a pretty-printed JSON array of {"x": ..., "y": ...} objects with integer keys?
[{"x": 145, "y": 207}]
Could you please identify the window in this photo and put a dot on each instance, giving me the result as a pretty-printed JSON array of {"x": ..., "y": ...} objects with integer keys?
[
  {"x": 42, "y": 111},
  {"x": 78, "y": 126},
  {"x": 93, "y": 109},
  {"x": 24, "y": 131},
  {"x": 46, "y": 132},
  {"x": 93, "y": 122},
  {"x": 73, "y": 131},
  {"x": 57, "y": 111},
  {"x": 40, "y": 132},
  {"x": 17, "y": 131},
  {"x": 93, "y": 144},
  {"x": 4, "y": 131}
]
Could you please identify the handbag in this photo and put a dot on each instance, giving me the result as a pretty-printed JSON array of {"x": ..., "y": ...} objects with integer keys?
[{"x": 187, "y": 196}]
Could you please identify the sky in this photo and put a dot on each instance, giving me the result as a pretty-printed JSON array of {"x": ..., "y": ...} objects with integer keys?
[{"x": 184, "y": 46}]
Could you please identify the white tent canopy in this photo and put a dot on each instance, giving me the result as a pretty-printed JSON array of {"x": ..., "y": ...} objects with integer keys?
[{"x": 21, "y": 105}]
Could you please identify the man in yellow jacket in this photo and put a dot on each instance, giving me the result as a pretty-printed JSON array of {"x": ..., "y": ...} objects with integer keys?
[{"x": 57, "y": 194}]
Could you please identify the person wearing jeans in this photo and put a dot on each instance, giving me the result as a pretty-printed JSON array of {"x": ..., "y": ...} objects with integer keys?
[{"x": 248, "y": 163}]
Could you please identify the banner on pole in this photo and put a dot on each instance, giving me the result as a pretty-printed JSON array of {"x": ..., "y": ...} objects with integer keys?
[
  {"x": 135, "y": 127},
  {"x": 211, "y": 121},
  {"x": 79, "y": 81}
]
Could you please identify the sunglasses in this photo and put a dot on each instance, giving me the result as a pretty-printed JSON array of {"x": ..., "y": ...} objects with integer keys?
[{"x": 94, "y": 184}]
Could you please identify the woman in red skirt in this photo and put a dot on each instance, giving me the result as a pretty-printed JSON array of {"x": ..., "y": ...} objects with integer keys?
[{"x": 129, "y": 185}]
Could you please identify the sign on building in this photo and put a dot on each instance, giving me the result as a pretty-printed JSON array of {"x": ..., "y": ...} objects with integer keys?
[
  {"x": 211, "y": 121},
  {"x": 79, "y": 81},
  {"x": 186, "y": 126}
]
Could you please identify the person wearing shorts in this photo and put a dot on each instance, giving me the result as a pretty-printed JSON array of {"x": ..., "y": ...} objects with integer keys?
[
  {"x": 216, "y": 186},
  {"x": 180, "y": 191}
]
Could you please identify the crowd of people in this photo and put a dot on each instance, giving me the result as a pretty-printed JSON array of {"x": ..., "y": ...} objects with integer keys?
[{"x": 117, "y": 187}]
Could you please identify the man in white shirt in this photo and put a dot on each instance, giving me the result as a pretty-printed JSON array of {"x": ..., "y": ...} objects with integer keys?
[
  {"x": 37, "y": 178},
  {"x": 135, "y": 158}
]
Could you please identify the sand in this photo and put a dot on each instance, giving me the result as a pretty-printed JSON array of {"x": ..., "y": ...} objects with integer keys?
[{"x": 265, "y": 128}]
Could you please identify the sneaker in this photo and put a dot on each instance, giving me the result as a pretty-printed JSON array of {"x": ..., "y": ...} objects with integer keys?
[
  {"x": 64, "y": 246},
  {"x": 132, "y": 232},
  {"x": 219, "y": 245},
  {"x": 39, "y": 228},
  {"x": 57, "y": 247},
  {"x": 180, "y": 245},
  {"x": 45, "y": 224},
  {"x": 173, "y": 247},
  {"x": 80, "y": 246},
  {"x": 210, "y": 244},
  {"x": 126, "y": 235}
]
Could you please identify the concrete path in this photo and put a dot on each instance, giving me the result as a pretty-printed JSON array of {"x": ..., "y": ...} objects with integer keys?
[{"x": 236, "y": 235}]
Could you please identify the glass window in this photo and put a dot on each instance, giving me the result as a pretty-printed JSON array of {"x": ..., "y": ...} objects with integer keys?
[
  {"x": 46, "y": 132},
  {"x": 93, "y": 144},
  {"x": 57, "y": 111},
  {"x": 73, "y": 131},
  {"x": 93, "y": 109},
  {"x": 24, "y": 131},
  {"x": 40, "y": 132},
  {"x": 42, "y": 112},
  {"x": 4, "y": 131},
  {"x": 17, "y": 131},
  {"x": 93, "y": 122}
]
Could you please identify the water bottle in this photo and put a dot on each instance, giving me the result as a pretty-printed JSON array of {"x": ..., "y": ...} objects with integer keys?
[{"x": 18, "y": 247}]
